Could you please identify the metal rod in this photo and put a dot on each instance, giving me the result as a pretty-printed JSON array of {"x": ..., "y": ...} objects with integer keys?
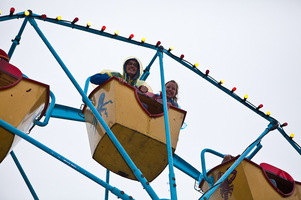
[
  {"x": 146, "y": 70},
  {"x": 107, "y": 181},
  {"x": 87, "y": 101},
  {"x": 290, "y": 140},
  {"x": 17, "y": 39},
  {"x": 237, "y": 162},
  {"x": 210, "y": 180},
  {"x": 185, "y": 167},
  {"x": 48, "y": 112},
  {"x": 22, "y": 172},
  {"x": 259, "y": 146},
  {"x": 172, "y": 179},
  {"x": 74, "y": 166}
]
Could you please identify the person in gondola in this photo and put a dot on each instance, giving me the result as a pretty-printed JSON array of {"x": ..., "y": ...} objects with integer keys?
[
  {"x": 132, "y": 70},
  {"x": 171, "y": 88}
]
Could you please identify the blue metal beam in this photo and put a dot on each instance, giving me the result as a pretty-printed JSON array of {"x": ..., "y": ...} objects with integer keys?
[
  {"x": 172, "y": 179},
  {"x": 87, "y": 101},
  {"x": 33, "y": 193},
  {"x": 17, "y": 39},
  {"x": 237, "y": 162},
  {"x": 74, "y": 166},
  {"x": 146, "y": 70},
  {"x": 66, "y": 112},
  {"x": 290, "y": 140},
  {"x": 185, "y": 167}
]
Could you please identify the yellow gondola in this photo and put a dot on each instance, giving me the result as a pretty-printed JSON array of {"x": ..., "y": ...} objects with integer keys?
[
  {"x": 250, "y": 181},
  {"x": 22, "y": 100},
  {"x": 140, "y": 131}
]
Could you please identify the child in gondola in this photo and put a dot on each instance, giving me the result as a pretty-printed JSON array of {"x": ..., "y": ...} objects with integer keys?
[{"x": 132, "y": 70}]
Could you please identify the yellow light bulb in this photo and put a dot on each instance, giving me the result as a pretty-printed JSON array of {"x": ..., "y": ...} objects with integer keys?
[
  {"x": 89, "y": 24},
  {"x": 222, "y": 81},
  {"x": 59, "y": 17},
  {"x": 0, "y": 12},
  {"x": 268, "y": 113},
  {"x": 26, "y": 13},
  {"x": 116, "y": 32},
  {"x": 171, "y": 48},
  {"x": 143, "y": 39},
  {"x": 196, "y": 64},
  {"x": 292, "y": 135},
  {"x": 246, "y": 96}
]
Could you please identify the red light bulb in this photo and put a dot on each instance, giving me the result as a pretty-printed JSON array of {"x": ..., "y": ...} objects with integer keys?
[
  {"x": 131, "y": 36},
  {"x": 158, "y": 43},
  {"x": 75, "y": 20},
  {"x": 233, "y": 89},
  {"x": 207, "y": 72},
  {"x": 44, "y": 16},
  {"x": 12, "y": 10},
  {"x": 284, "y": 124},
  {"x": 182, "y": 56},
  {"x": 103, "y": 28}
]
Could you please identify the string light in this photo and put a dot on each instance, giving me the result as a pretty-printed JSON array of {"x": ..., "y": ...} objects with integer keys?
[
  {"x": 207, "y": 72},
  {"x": 221, "y": 82},
  {"x": 181, "y": 57},
  {"x": 131, "y": 36},
  {"x": 11, "y": 11},
  {"x": 88, "y": 25},
  {"x": 260, "y": 106},
  {"x": 75, "y": 20},
  {"x": 292, "y": 136},
  {"x": 158, "y": 43},
  {"x": 268, "y": 113},
  {"x": 116, "y": 33},
  {"x": 103, "y": 28},
  {"x": 170, "y": 49},
  {"x": 26, "y": 13},
  {"x": 0, "y": 12},
  {"x": 58, "y": 18},
  {"x": 43, "y": 16},
  {"x": 233, "y": 89},
  {"x": 284, "y": 124},
  {"x": 245, "y": 97},
  {"x": 196, "y": 65},
  {"x": 143, "y": 40}
]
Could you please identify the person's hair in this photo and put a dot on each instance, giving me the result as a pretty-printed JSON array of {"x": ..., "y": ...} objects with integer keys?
[{"x": 175, "y": 98}]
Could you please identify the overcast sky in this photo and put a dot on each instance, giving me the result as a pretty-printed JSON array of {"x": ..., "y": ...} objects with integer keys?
[{"x": 253, "y": 45}]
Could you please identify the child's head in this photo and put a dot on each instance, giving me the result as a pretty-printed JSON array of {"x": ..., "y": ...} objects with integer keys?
[
  {"x": 131, "y": 67},
  {"x": 171, "y": 88}
]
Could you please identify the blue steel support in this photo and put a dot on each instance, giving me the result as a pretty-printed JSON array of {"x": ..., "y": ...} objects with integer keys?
[
  {"x": 66, "y": 112},
  {"x": 146, "y": 70},
  {"x": 185, "y": 167},
  {"x": 33, "y": 193},
  {"x": 87, "y": 85},
  {"x": 48, "y": 112},
  {"x": 259, "y": 146},
  {"x": 74, "y": 166},
  {"x": 16, "y": 41},
  {"x": 107, "y": 181},
  {"x": 204, "y": 171},
  {"x": 87, "y": 101},
  {"x": 207, "y": 195},
  {"x": 290, "y": 140},
  {"x": 172, "y": 179}
]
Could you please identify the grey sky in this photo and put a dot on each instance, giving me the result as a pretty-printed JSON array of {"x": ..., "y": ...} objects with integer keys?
[{"x": 253, "y": 45}]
